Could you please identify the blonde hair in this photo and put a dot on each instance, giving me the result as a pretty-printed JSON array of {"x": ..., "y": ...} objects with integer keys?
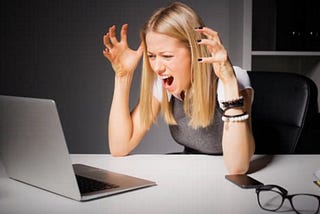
[{"x": 179, "y": 21}]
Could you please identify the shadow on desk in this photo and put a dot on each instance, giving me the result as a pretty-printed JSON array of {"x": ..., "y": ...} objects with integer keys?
[{"x": 259, "y": 163}]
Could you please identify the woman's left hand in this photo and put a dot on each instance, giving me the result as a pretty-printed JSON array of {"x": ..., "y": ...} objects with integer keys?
[{"x": 219, "y": 56}]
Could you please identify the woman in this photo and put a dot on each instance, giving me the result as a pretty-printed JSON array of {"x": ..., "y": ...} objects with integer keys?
[{"x": 188, "y": 76}]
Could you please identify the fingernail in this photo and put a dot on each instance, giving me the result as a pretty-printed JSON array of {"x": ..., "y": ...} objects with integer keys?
[
  {"x": 199, "y": 40},
  {"x": 199, "y": 27},
  {"x": 199, "y": 59}
]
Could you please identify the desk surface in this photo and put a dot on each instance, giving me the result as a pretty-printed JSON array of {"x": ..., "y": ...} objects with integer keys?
[{"x": 185, "y": 184}]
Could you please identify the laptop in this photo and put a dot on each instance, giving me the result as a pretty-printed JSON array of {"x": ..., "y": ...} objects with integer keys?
[{"x": 34, "y": 151}]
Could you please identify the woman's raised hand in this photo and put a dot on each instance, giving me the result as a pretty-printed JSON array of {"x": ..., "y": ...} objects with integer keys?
[
  {"x": 124, "y": 60},
  {"x": 219, "y": 56}
]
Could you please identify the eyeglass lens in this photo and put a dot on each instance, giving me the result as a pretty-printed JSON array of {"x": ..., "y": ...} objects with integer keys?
[
  {"x": 272, "y": 200},
  {"x": 305, "y": 204}
]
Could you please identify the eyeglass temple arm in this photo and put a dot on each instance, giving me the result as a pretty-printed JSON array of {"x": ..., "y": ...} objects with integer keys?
[{"x": 271, "y": 186}]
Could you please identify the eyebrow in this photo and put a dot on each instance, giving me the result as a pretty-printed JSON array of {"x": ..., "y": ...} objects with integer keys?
[{"x": 162, "y": 52}]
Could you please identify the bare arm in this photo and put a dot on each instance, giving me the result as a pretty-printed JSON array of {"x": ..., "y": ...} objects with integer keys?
[
  {"x": 237, "y": 141},
  {"x": 125, "y": 132}
]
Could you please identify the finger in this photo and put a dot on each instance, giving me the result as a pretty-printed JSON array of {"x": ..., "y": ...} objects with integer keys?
[
  {"x": 107, "y": 54},
  {"x": 209, "y": 60},
  {"x": 106, "y": 41},
  {"x": 213, "y": 46},
  {"x": 112, "y": 34},
  {"x": 124, "y": 32},
  {"x": 210, "y": 43},
  {"x": 219, "y": 57},
  {"x": 140, "y": 49},
  {"x": 209, "y": 33}
]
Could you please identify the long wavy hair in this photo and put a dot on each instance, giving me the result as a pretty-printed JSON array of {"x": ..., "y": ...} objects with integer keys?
[{"x": 177, "y": 20}]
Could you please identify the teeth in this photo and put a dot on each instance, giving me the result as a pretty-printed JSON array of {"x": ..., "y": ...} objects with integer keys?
[{"x": 165, "y": 77}]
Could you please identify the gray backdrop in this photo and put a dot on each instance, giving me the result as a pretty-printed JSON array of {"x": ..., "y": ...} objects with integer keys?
[{"x": 53, "y": 49}]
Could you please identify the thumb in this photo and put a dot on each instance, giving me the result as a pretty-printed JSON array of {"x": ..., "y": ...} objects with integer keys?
[{"x": 140, "y": 49}]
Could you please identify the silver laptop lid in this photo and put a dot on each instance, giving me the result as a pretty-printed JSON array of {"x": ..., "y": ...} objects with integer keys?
[{"x": 32, "y": 145}]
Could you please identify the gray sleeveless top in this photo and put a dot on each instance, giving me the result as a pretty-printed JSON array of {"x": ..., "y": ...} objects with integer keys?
[{"x": 206, "y": 140}]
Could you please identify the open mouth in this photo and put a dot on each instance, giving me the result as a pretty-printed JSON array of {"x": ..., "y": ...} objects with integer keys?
[{"x": 167, "y": 80}]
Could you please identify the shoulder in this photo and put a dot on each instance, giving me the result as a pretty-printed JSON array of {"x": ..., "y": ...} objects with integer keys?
[
  {"x": 157, "y": 89},
  {"x": 242, "y": 77},
  {"x": 243, "y": 81}
]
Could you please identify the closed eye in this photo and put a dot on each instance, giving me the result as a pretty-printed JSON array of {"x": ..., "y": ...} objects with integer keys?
[
  {"x": 151, "y": 56},
  {"x": 167, "y": 56}
]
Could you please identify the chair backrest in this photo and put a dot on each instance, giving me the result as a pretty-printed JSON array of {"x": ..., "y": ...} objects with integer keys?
[{"x": 283, "y": 105}]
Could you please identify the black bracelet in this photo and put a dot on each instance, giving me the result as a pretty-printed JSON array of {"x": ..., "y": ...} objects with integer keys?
[
  {"x": 235, "y": 103},
  {"x": 237, "y": 115}
]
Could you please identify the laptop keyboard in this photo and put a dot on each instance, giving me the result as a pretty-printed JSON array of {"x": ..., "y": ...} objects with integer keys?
[{"x": 87, "y": 185}]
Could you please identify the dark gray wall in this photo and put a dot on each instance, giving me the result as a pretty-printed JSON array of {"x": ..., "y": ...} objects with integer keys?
[{"x": 53, "y": 49}]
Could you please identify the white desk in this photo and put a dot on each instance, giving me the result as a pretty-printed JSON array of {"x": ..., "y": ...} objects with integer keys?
[{"x": 185, "y": 184}]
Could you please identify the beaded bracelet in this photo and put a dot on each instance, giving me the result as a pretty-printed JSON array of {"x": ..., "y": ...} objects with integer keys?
[{"x": 235, "y": 118}]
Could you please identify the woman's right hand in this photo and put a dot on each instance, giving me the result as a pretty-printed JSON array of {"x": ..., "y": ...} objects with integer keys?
[{"x": 124, "y": 60}]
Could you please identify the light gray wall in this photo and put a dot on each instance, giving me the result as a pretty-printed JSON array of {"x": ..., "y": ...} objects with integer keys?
[{"x": 53, "y": 49}]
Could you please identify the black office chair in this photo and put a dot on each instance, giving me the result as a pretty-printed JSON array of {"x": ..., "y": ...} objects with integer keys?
[{"x": 283, "y": 113}]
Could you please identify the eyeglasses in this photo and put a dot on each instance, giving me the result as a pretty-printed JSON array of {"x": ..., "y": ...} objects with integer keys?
[{"x": 271, "y": 198}]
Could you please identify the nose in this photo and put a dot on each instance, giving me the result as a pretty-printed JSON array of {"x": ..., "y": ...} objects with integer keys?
[{"x": 159, "y": 67}]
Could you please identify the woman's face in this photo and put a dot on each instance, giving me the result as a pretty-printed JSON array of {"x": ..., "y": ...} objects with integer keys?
[{"x": 170, "y": 59}]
